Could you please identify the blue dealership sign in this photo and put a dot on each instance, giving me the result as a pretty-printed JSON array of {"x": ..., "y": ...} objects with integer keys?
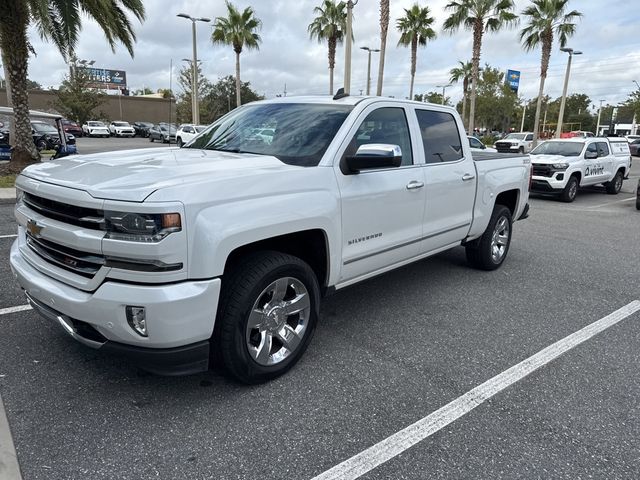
[{"x": 513, "y": 79}]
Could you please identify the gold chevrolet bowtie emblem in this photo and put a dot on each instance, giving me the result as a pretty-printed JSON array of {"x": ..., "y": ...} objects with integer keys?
[{"x": 33, "y": 228}]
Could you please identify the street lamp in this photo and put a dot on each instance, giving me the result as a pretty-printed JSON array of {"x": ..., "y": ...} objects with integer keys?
[
  {"x": 571, "y": 53},
  {"x": 195, "y": 114},
  {"x": 444, "y": 89},
  {"x": 369, "y": 66},
  {"x": 347, "y": 47}
]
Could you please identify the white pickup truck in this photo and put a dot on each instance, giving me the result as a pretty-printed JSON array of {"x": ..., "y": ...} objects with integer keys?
[
  {"x": 561, "y": 166},
  {"x": 222, "y": 249},
  {"x": 515, "y": 143}
]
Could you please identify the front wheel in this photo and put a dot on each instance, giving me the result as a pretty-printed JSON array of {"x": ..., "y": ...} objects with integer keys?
[
  {"x": 614, "y": 186},
  {"x": 489, "y": 251},
  {"x": 179, "y": 142},
  {"x": 570, "y": 190},
  {"x": 267, "y": 315},
  {"x": 150, "y": 138}
]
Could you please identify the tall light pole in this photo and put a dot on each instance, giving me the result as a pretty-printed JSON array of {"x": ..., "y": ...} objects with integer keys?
[
  {"x": 524, "y": 113},
  {"x": 195, "y": 113},
  {"x": 369, "y": 67},
  {"x": 634, "y": 126},
  {"x": 598, "y": 123},
  {"x": 571, "y": 53},
  {"x": 347, "y": 47},
  {"x": 444, "y": 89}
]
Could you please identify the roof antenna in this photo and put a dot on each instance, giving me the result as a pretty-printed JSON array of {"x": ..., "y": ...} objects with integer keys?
[{"x": 340, "y": 94}]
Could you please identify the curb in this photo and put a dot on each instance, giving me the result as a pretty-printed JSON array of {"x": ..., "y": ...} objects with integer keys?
[{"x": 9, "y": 467}]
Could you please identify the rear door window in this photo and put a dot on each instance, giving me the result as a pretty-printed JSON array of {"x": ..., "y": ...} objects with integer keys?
[
  {"x": 440, "y": 136},
  {"x": 603, "y": 149}
]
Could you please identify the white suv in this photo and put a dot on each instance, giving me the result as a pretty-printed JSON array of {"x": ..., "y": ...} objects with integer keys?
[
  {"x": 188, "y": 131},
  {"x": 121, "y": 129},
  {"x": 515, "y": 143}
]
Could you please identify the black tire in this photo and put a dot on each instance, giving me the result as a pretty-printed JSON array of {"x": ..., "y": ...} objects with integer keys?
[
  {"x": 179, "y": 142},
  {"x": 241, "y": 289},
  {"x": 615, "y": 185},
  {"x": 638, "y": 197},
  {"x": 42, "y": 145},
  {"x": 150, "y": 138},
  {"x": 570, "y": 191},
  {"x": 521, "y": 150},
  {"x": 480, "y": 251}
]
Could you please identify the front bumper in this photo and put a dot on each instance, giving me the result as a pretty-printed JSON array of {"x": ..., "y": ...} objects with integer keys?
[
  {"x": 550, "y": 184},
  {"x": 180, "y": 316}
]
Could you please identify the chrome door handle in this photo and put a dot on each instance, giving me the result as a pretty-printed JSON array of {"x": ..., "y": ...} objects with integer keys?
[
  {"x": 467, "y": 176},
  {"x": 414, "y": 185}
]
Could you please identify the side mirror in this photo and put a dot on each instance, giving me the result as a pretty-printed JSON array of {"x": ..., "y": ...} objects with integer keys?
[
  {"x": 372, "y": 156},
  {"x": 590, "y": 155}
]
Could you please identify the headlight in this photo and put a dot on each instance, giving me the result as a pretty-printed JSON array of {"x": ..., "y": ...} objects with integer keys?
[
  {"x": 19, "y": 195},
  {"x": 560, "y": 166},
  {"x": 141, "y": 227}
]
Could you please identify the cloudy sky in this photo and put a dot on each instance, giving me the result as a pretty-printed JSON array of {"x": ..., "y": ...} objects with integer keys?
[{"x": 608, "y": 36}]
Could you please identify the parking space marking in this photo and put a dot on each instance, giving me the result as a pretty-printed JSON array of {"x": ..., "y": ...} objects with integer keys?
[
  {"x": 9, "y": 468},
  {"x": 9, "y": 236},
  {"x": 612, "y": 203},
  {"x": 406, "y": 438},
  {"x": 19, "y": 308}
]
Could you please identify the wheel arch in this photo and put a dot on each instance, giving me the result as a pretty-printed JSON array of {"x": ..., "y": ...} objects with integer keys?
[{"x": 311, "y": 246}]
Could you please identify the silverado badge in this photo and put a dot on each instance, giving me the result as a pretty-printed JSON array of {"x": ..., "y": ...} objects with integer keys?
[{"x": 33, "y": 228}]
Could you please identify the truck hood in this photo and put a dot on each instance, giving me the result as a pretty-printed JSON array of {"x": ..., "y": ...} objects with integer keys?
[
  {"x": 133, "y": 175},
  {"x": 551, "y": 159}
]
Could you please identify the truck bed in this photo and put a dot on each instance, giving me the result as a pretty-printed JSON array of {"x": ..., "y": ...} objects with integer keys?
[{"x": 481, "y": 156}]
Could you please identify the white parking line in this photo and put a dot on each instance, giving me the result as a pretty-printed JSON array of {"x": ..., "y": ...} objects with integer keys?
[
  {"x": 397, "y": 443},
  {"x": 9, "y": 468},
  {"x": 19, "y": 308},
  {"x": 9, "y": 236},
  {"x": 612, "y": 203}
]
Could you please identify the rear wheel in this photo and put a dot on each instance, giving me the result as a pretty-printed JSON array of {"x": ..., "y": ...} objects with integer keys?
[
  {"x": 179, "y": 142},
  {"x": 614, "y": 186},
  {"x": 41, "y": 144},
  {"x": 267, "y": 315},
  {"x": 570, "y": 190},
  {"x": 150, "y": 138},
  {"x": 489, "y": 251}
]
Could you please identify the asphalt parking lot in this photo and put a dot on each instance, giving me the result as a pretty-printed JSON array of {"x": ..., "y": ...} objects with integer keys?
[
  {"x": 87, "y": 145},
  {"x": 387, "y": 353}
]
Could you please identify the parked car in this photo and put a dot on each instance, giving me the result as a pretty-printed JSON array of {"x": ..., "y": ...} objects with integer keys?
[
  {"x": 142, "y": 128},
  {"x": 515, "y": 143},
  {"x": 95, "y": 128},
  {"x": 634, "y": 148},
  {"x": 121, "y": 129},
  {"x": 225, "y": 247},
  {"x": 71, "y": 127},
  {"x": 186, "y": 132},
  {"x": 163, "y": 132},
  {"x": 561, "y": 166},
  {"x": 632, "y": 138},
  {"x": 477, "y": 146},
  {"x": 577, "y": 134},
  {"x": 46, "y": 136}
]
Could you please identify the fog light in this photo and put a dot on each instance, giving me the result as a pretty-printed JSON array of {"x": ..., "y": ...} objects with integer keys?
[
  {"x": 137, "y": 319},
  {"x": 560, "y": 176}
]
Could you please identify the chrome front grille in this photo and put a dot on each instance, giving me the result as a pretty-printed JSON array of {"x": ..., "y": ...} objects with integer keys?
[
  {"x": 90, "y": 218},
  {"x": 81, "y": 263}
]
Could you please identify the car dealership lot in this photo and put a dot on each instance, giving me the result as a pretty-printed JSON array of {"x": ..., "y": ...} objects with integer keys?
[{"x": 386, "y": 354}]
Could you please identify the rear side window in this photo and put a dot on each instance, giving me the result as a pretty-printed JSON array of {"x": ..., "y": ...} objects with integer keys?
[
  {"x": 440, "y": 136},
  {"x": 603, "y": 149},
  {"x": 529, "y": 138}
]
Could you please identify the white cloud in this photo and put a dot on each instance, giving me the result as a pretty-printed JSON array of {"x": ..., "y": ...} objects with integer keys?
[{"x": 287, "y": 55}]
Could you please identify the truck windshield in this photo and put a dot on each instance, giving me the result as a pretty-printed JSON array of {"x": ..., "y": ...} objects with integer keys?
[
  {"x": 294, "y": 133},
  {"x": 565, "y": 149}
]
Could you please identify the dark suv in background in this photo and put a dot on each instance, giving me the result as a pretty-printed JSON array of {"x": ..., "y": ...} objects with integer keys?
[{"x": 142, "y": 128}]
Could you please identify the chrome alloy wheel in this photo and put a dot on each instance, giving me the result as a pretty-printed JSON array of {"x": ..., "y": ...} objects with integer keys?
[
  {"x": 500, "y": 240},
  {"x": 573, "y": 190},
  {"x": 278, "y": 321}
]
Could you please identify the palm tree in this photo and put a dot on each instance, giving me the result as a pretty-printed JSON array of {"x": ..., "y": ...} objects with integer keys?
[
  {"x": 238, "y": 29},
  {"x": 415, "y": 29},
  {"x": 330, "y": 24},
  {"x": 479, "y": 16},
  {"x": 384, "y": 28},
  {"x": 545, "y": 19},
  {"x": 462, "y": 72},
  {"x": 59, "y": 21}
]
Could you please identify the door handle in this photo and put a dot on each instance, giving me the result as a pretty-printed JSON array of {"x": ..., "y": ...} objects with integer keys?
[
  {"x": 414, "y": 185},
  {"x": 467, "y": 176}
]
